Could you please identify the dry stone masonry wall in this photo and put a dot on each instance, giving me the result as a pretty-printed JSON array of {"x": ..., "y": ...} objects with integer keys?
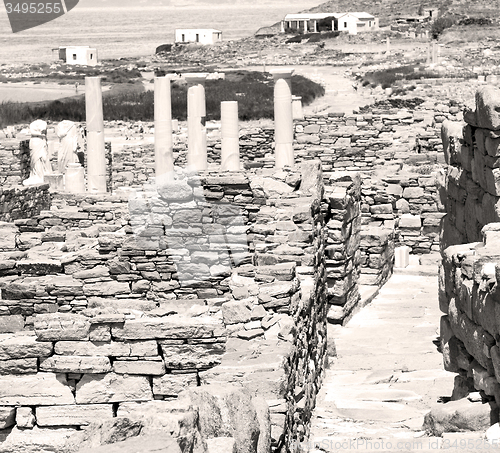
[
  {"x": 216, "y": 278},
  {"x": 469, "y": 277}
]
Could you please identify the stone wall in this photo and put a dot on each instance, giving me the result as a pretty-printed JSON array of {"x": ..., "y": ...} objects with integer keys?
[
  {"x": 470, "y": 237},
  {"x": 12, "y": 162},
  {"x": 21, "y": 202},
  {"x": 212, "y": 270}
]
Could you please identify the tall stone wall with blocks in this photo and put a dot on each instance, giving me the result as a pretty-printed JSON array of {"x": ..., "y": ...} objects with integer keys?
[
  {"x": 468, "y": 294},
  {"x": 113, "y": 307}
]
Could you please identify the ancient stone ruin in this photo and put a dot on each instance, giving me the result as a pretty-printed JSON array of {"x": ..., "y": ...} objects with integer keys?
[{"x": 185, "y": 297}]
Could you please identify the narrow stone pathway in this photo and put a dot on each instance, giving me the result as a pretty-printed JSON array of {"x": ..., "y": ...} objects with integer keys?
[{"x": 388, "y": 371}]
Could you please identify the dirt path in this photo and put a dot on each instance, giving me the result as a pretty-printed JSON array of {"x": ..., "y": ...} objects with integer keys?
[
  {"x": 388, "y": 372},
  {"x": 342, "y": 93}
]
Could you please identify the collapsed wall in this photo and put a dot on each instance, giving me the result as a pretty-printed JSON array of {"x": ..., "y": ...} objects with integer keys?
[{"x": 470, "y": 238}]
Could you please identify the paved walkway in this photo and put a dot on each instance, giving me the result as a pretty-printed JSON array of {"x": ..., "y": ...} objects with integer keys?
[{"x": 388, "y": 371}]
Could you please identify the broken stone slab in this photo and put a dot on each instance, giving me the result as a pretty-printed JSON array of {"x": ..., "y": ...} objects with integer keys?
[
  {"x": 112, "y": 388},
  {"x": 35, "y": 389},
  {"x": 178, "y": 417},
  {"x": 159, "y": 442},
  {"x": 75, "y": 364},
  {"x": 174, "y": 326},
  {"x": 104, "y": 433},
  {"x": 458, "y": 416},
  {"x": 7, "y": 416},
  {"x": 147, "y": 348},
  {"x": 23, "y": 346},
  {"x": 144, "y": 367},
  {"x": 61, "y": 326},
  {"x": 73, "y": 415},
  {"x": 186, "y": 356}
]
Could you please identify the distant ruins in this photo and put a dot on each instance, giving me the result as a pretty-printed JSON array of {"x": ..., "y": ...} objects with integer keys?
[{"x": 188, "y": 289}]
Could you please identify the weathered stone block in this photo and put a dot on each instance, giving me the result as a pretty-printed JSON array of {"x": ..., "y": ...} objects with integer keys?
[
  {"x": 147, "y": 348},
  {"x": 174, "y": 326},
  {"x": 35, "y": 389},
  {"x": 175, "y": 191},
  {"x": 11, "y": 324},
  {"x": 75, "y": 364},
  {"x": 458, "y": 416},
  {"x": 488, "y": 107},
  {"x": 8, "y": 232},
  {"x": 234, "y": 312},
  {"x": 61, "y": 326},
  {"x": 112, "y": 388},
  {"x": 19, "y": 366},
  {"x": 409, "y": 221},
  {"x": 73, "y": 415},
  {"x": 413, "y": 192},
  {"x": 173, "y": 384},
  {"x": 144, "y": 367},
  {"x": 25, "y": 418},
  {"x": 111, "y": 288},
  {"x": 193, "y": 356}
]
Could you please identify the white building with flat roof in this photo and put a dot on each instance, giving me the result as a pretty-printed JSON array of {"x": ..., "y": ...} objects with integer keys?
[
  {"x": 198, "y": 35},
  {"x": 83, "y": 55},
  {"x": 353, "y": 23}
]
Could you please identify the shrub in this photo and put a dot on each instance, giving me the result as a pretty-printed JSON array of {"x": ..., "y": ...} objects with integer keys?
[
  {"x": 252, "y": 90},
  {"x": 441, "y": 24}
]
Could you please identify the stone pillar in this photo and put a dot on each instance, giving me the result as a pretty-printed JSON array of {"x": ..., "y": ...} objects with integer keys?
[
  {"x": 305, "y": 26},
  {"x": 434, "y": 53},
  {"x": 282, "y": 26},
  {"x": 283, "y": 119},
  {"x": 315, "y": 26},
  {"x": 388, "y": 44},
  {"x": 230, "y": 156},
  {"x": 96, "y": 161},
  {"x": 164, "y": 153},
  {"x": 196, "y": 111}
]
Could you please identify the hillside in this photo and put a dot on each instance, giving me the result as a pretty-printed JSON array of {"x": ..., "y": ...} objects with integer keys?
[{"x": 388, "y": 10}]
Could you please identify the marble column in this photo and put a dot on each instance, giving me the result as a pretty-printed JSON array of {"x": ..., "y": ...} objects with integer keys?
[
  {"x": 164, "y": 154},
  {"x": 196, "y": 112},
  {"x": 96, "y": 160},
  {"x": 283, "y": 119},
  {"x": 230, "y": 155}
]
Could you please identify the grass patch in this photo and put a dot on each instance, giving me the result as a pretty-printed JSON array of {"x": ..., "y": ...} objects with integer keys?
[
  {"x": 252, "y": 90},
  {"x": 388, "y": 77}
]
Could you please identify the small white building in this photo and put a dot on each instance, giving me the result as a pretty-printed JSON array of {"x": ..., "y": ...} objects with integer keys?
[
  {"x": 196, "y": 35},
  {"x": 353, "y": 23},
  {"x": 83, "y": 55}
]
